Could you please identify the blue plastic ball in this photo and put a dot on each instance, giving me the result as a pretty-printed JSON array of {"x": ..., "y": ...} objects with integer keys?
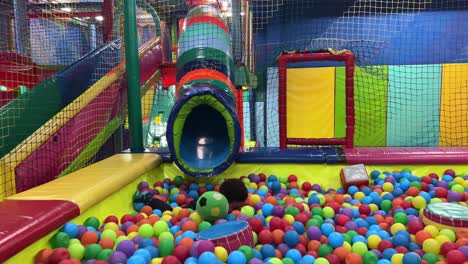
[
  {"x": 143, "y": 253},
  {"x": 145, "y": 242},
  {"x": 136, "y": 259},
  {"x": 411, "y": 258},
  {"x": 71, "y": 229},
  {"x": 236, "y": 257},
  {"x": 153, "y": 251},
  {"x": 294, "y": 254},
  {"x": 268, "y": 251},
  {"x": 335, "y": 239},
  {"x": 353, "y": 189},
  {"x": 291, "y": 238},
  {"x": 207, "y": 257},
  {"x": 307, "y": 259}
]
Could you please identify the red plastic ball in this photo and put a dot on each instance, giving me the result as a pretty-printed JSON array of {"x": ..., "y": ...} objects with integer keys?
[
  {"x": 401, "y": 249},
  {"x": 265, "y": 237},
  {"x": 433, "y": 176},
  {"x": 276, "y": 223},
  {"x": 111, "y": 218},
  {"x": 301, "y": 249},
  {"x": 364, "y": 209},
  {"x": 256, "y": 224},
  {"x": 455, "y": 257},
  {"x": 303, "y": 218},
  {"x": 447, "y": 247},
  {"x": 292, "y": 178},
  {"x": 426, "y": 179},
  {"x": 414, "y": 227},
  {"x": 384, "y": 244},
  {"x": 136, "y": 218},
  {"x": 306, "y": 186},
  {"x": 262, "y": 177},
  {"x": 181, "y": 253},
  {"x": 341, "y": 229},
  {"x": 362, "y": 231},
  {"x": 333, "y": 259},
  {"x": 125, "y": 218},
  {"x": 441, "y": 192},
  {"x": 58, "y": 255},
  {"x": 343, "y": 219},
  {"x": 170, "y": 260}
]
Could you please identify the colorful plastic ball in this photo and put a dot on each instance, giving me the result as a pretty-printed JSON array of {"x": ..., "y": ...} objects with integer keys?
[
  {"x": 117, "y": 257},
  {"x": 449, "y": 233},
  {"x": 321, "y": 261},
  {"x": 92, "y": 251},
  {"x": 430, "y": 258},
  {"x": 236, "y": 257},
  {"x": 212, "y": 206},
  {"x": 335, "y": 239},
  {"x": 76, "y": 251},
  {"x": 411, "y": 258},
  {"x": 247, "y": 251},
  {"x": 455, "y": 257},
  {"x": 60, "y": 240},
  {"x": 359, "y": 248},
  {"x": 373, "y": 241},
  {"x": 419, "y": 202},
  {"x": 370, "y": 258},
  {"x": 221, "y": 253},
  {"x": 431, "y": 246},
  {"x": 92, "y": 222},
  {"x": 314, "y": 233},
  {"x": 291, "y": 238}
]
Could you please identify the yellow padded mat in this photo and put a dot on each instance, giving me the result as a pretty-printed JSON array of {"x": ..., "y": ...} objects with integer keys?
[
  {"x": 311, "y": 102},
  {"x": 90, "y": 185}
]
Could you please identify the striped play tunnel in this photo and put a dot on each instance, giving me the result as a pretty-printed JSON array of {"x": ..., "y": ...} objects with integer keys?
[{"x": 203, "y": 130}]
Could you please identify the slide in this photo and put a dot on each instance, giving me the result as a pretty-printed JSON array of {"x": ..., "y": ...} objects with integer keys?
[
  {"x": 63, "y": 121},
  {"x": 203, "y": 130}
]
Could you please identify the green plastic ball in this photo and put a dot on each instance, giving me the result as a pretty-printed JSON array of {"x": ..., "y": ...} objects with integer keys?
[
  {"x": 76, "y": 250},
  {"x": 293, "y": 211},
  {"x": 370, "y": 258},
  {"x": 165, "y": 248},
  {"x": 166, "y": 236},
  {"x": 61, "y": 239},
  {"x": 145, "y": 230},
  {"x": 317, "y": 211},
  {"x": 212, "y": 206},
  {"x": 203, "y": 225},
  {"x": 288, "y": 261},
  {"x": 386, "y": 205},
  {"x": 325, "y": 250},
  {"x": 92, "y": 251},
  {"x": 104, "y": 254},
  {"x": 109, "y": 233},
  {"x": 248, "y": 211},
  {"x": 430, "y": 258},
  {"x": 322, "y": 261},
  {"x": 178, "y": 180},
  {"x": 92, "y": 221},
  {"x": 159, "y": 227},
  {"x": 248, "y": 252},
  {"x": 401, "y": 218}
]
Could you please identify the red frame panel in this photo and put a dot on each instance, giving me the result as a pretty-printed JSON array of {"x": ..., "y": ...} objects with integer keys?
[{"x": 283, "y": 60}]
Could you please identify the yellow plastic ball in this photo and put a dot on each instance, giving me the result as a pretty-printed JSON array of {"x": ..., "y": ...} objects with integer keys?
[
  {"x": 449, "y": 233},
  {"x": 176, "y": 210},
  {"x": 255, "y": 198},
  {"x": 397, "y": 258},
  {"x": 431, "y": 246},
  {"x": 167, "y": 213},
  {"x": 253, "y": 186},
  {"x": 459, "y": 180},
  {"x": 156, "y": 261},
  {"x": 132, "y": 235},
  {"x": 442, "y": 239},
  {"x": 388, "y": 187},
  {"x": 419, "y": 202},
  {"x": 434, "y": 231},
  {"x": 196, "y": 218},
  {"x": 111, "y": 226},
  {"x": 373, "y": 241},
  {"x": 347, "y": 246},
  {"x": 374, "y": 208},
  {"x": 275, "y": 261},
  {"x": 221, "y": 253},
  {"x": 255, "y": 237},
  {"x": 268, "y": 218},
  {"x": 258, "y": 246},
  {"x": 397, "y": 227},
  {"x": 359, "y": 196},
  {"x": 289, "y": 218},
  {"x": 166, "y": 218}
]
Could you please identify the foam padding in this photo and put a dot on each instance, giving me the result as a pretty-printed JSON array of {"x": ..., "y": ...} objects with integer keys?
[
  {"x": 454, "y": 105},
  {"x": 297, "y": 155},
  {"x": 310, "y": 102},
  {"x": 413, "y": 107},
  {"x": 23, "y": 222},
  {"x": 340, "y": 102},
  {"x": 370, "y": 108},
  {"x": 92, "y": 184}
]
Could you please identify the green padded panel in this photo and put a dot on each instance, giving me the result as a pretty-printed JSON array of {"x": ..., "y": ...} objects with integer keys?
[
  {"x": 340, "y": 102},
  {"x": 24, "y": 115},
  {"x": 370, "y": 98},
  {"x": 413, "y": 106}
]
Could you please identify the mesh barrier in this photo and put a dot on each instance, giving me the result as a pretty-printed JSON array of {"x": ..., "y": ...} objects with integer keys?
[
  {"x": 63, "y": 87},
  {"x": 410, "y": 80}
]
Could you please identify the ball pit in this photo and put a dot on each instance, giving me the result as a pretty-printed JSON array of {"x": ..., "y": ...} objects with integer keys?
[{"x": 297, "y": 222}]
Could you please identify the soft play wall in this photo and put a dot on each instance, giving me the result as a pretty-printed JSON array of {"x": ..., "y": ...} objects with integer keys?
[{"x": 394, "y": 112}]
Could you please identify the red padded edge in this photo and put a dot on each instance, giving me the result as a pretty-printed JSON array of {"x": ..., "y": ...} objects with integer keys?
[
  {"x": 406, "y": 155},
  {"x": 24, "y": 222}
]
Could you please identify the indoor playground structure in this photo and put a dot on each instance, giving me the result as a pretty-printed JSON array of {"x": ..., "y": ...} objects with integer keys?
[{"x": 346, "y": 120}]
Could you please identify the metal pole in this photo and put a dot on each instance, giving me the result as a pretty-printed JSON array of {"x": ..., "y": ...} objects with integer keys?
[{"x": 133, "y": 76}]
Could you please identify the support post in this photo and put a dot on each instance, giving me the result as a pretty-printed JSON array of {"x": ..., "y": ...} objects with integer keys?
[
  {"x": 133, "y": 76},
  {"x": 107, "y": 13}
]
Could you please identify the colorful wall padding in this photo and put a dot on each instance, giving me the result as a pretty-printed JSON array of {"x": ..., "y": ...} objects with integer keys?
[{"x": 405, "y": 105}]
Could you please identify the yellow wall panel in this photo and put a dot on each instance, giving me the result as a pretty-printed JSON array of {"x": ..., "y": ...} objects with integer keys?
[
  {"x": 311, "y": 102},
  {"x": 454, "y": 105}
]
